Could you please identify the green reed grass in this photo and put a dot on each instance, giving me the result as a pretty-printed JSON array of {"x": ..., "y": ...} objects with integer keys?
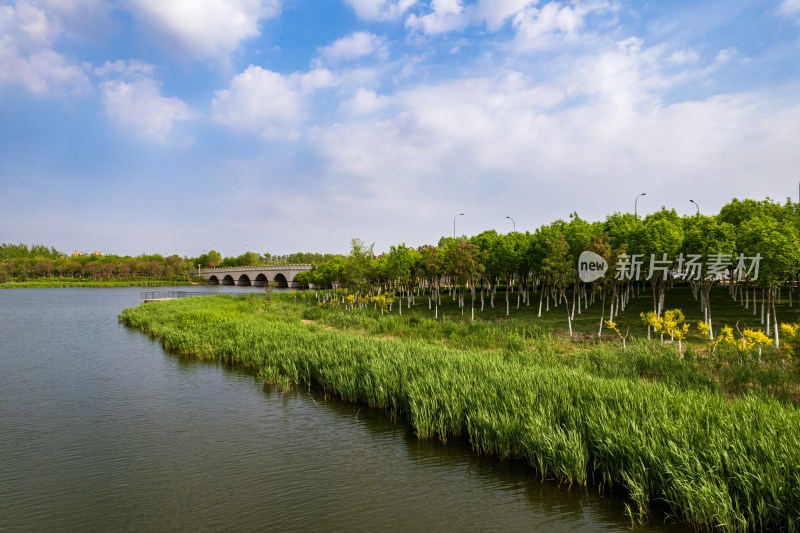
[{"x": 716, "y": 463}]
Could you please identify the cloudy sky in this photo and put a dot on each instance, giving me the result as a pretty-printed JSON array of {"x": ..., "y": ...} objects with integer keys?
[{"x": 131, "y": 126}]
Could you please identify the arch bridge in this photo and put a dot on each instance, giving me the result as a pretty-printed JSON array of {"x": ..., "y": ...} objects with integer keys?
[{"x": 257, "y": 276}]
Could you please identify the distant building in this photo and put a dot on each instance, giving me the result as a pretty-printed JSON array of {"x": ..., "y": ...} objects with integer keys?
[
  {"x": 77, "y": 253},
  {"x": 96, "y": 253}
]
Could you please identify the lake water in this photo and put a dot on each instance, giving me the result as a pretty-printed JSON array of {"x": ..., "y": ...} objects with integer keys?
[{"x": 101, "y": 430}]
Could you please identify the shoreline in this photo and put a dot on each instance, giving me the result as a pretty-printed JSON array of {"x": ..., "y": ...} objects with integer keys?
[{"x": 692, "y": 449}]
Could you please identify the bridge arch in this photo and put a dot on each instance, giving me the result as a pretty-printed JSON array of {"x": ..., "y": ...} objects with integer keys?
[{"x": 259, "y": 275}]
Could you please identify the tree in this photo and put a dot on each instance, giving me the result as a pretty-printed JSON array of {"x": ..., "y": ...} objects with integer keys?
[
  {"x": 503, "y": 261},
  {"x": 660, "y": 241},
  {"x": 578, "y": 234},
  {"x": 465, "y": 262},
  {"x": 211, "y": 259},
  {"x": 715, "y": 244},
  {"x": 431, "y": 268},
  {"x": 778, "y": 245},
  {"x": 558, "y": 266},
  {"x": 608, "y": 282},
  {"x": 400, "y": 265},
  {"x": 622, "y": 229},
  {"x": 358, "y": 267}
]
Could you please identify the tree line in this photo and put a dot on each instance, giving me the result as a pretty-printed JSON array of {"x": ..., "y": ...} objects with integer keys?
[
  {"x": 751, "y": 246},
  {"x": 21, "y": 262}
]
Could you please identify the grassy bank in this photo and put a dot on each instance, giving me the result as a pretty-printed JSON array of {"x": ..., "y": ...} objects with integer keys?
[{"x": 716, "y": 461}]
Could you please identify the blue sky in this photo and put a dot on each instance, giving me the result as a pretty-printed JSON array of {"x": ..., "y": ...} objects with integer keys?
[{"x": 131, "y": 126}]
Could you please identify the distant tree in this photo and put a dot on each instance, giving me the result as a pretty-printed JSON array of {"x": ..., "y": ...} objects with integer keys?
[{"x": 214, "y": 258}]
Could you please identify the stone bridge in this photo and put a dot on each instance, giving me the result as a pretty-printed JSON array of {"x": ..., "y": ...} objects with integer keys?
[{"x": 276, "y": 275}]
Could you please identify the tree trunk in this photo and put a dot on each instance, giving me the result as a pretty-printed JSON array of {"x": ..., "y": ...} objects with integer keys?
[
  {"x": 541, "y": 297},
  {"x": 775, "y": 321},
  {"x": 602, "y": 311},
  {"x": 566, "y": 305}
]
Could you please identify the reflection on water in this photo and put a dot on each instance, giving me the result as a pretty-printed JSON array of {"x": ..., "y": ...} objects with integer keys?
[{"x": 102, "y": 430}]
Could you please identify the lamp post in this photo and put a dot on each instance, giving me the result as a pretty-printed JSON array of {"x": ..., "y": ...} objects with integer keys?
[
  {"x": 697, "y": 206},
  {"x": 635, "y": 211},
  {"x": 454, "y": 224},
  {"x": 512, "y": 221}
]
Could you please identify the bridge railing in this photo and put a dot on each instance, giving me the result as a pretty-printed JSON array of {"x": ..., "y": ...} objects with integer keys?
[{"x": 257, "y": 267}]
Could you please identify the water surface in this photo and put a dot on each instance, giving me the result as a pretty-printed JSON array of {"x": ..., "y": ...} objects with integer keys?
[{"x": 101, "y": 430}]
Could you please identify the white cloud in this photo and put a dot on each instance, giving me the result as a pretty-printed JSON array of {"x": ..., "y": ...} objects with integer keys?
[
  {"x": 496, "y": 12},
  {"x": 726, "y": 55},
  {"x": 602, "y": 124},
  {"x": 210, "y": 29},
  {"x": 42, "y": 73},
  {"x": 27, "y": 34},
  {"x": 447, "y": 16},
  {"x": 537, "y": 27},
  {"x": 789, "y": 7},
  {"x": 130, "y": 68},
  {"x": 363, "y": 103},
  {"x": 380, "y": 9},
  {"x": 682, "y": 57},
  {"x": 357, "y": 44},
  {"x": 134, "y": 100},
  {"x": 267, "y": 101},
  {"x": 553, "y": 25}
]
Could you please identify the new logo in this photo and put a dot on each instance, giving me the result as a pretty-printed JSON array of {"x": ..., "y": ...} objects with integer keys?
[{"x": 591, "y": 266}]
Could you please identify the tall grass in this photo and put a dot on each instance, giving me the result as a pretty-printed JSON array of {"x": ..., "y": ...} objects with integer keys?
[
  {"x": 728, "y": 371},
  {"x": 717, "y": 463}
]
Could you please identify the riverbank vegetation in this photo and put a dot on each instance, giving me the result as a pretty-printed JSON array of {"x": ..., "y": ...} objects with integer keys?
[
  {"x": 645, "y": 420},
  {"x": 749, "y": 254},
  {"x": 60, "y": 283},
  {"x": 37, "y": 266}
]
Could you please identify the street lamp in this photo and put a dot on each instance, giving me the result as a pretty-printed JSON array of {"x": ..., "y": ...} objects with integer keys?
[
  {"x": 635, "y": 211},
  {"x": 454, "y": 224},
  {"x": 512, "y": 221},
  {"x": 697, "y": 206}
]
